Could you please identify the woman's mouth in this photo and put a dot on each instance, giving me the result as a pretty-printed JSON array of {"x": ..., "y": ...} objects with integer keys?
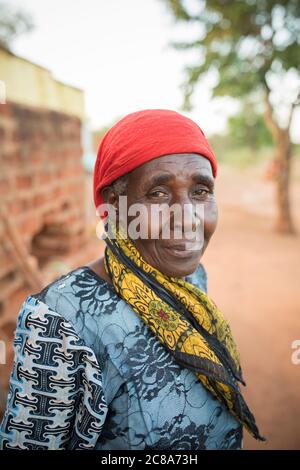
[{"x": 183, "y": 250}]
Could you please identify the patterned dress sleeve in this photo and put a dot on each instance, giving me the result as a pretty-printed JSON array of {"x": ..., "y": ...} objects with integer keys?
[{"x": 56, "y": 399}]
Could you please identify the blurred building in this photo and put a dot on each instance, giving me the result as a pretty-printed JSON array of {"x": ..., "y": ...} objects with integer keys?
[{"x": 42, "y": 184}]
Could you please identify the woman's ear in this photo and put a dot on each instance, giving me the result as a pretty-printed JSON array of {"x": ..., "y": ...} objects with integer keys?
[
  {"x": 109, "y": 196},
  {"x": 111, "y": 200}
]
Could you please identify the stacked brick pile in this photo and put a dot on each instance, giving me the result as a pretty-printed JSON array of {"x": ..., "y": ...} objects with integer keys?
[{"x": 41, "y": 186}]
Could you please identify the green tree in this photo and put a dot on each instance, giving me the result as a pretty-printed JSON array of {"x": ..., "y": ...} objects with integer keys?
[
  {"x": 248, "y": 128},
  {"x": 246, "y": 44},
  {"x": 13, "y": 23}
]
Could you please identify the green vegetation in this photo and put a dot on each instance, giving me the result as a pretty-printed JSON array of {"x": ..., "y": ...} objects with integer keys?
[
  {"x": 13, "y": 23},
  {"x": 244, "y": 45}
]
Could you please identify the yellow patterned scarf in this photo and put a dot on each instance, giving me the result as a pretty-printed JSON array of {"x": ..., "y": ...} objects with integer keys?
[{"x": 185, "y": 320}]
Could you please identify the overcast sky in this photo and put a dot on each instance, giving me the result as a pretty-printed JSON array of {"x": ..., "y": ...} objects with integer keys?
[{"x": 117, "y": 52}]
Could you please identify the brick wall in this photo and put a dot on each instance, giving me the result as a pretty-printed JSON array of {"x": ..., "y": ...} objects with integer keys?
[{"x": 41, "y": 186}]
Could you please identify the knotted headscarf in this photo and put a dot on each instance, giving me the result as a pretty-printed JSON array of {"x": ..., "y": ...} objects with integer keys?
[
  {"x": 185, "y": 320},
  {"x": 142, "y": 136}
]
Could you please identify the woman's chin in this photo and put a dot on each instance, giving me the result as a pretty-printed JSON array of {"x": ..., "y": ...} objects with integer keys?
[{"x": 180, "y": 266}]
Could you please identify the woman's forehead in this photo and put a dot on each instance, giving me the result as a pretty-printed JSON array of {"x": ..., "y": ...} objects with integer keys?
[{"x": 188, "y": 163}]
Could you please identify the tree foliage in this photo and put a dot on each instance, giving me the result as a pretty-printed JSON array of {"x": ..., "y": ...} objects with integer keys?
[
  {"x": 242, "y": 41},
  {"x": 248, "y": 129},
  {"x": 13, "y": 23},
  {"x": 247, "y": 44}
]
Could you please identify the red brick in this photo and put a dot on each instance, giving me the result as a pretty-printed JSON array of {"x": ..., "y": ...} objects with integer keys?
[
  {"x": 41, "y": 173},
  {"x": 44, "y": 178},
  {"x": 4, "y": 186},
  {"x": 15, "y": 207},
  {"x": 24, "y": 182},
  {"x": 30, "y": 224}
]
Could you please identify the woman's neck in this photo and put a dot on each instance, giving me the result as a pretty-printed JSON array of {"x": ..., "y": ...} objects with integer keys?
[{"x": 99, "y": 268}]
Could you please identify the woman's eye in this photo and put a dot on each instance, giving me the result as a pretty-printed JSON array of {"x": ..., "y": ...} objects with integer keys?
[
  {"x": 157, "y": 194},
  {"x": 202, "y": 192}
]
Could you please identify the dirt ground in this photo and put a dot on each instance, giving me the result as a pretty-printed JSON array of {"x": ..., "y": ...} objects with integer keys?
[{"x": 254, "y": 277}]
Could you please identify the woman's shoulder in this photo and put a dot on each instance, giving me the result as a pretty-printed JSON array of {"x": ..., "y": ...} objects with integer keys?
[
  {"x": 82, "y": 291},
  {"x": 77, "y": 295},
  {"x": 88, "y": 302}
]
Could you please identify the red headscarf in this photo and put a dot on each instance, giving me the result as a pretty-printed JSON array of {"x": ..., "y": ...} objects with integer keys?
[{"x": 143, "y": 136}]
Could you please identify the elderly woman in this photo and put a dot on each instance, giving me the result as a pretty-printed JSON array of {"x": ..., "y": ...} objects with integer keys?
[{"x": 129, "y": 352}]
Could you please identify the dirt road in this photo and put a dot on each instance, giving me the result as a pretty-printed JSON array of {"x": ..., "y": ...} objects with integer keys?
[{"x": 254, "y": 276}]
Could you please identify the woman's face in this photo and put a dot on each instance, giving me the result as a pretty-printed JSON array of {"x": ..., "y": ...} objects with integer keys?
[{"x": 185, "y": 180}]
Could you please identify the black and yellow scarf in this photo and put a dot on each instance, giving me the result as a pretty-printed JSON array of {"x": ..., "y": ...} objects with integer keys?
[{"x": 185, "y": 320}]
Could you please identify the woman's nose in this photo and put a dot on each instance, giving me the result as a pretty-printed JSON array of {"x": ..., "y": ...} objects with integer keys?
[{"x": 187, "y": 217}]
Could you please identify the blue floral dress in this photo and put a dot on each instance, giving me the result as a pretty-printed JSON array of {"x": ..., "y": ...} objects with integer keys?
[{"x": 89, "y": 374}]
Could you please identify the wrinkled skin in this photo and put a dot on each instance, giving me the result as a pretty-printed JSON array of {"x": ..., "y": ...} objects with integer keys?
[{"x": 181, "y": 179}]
